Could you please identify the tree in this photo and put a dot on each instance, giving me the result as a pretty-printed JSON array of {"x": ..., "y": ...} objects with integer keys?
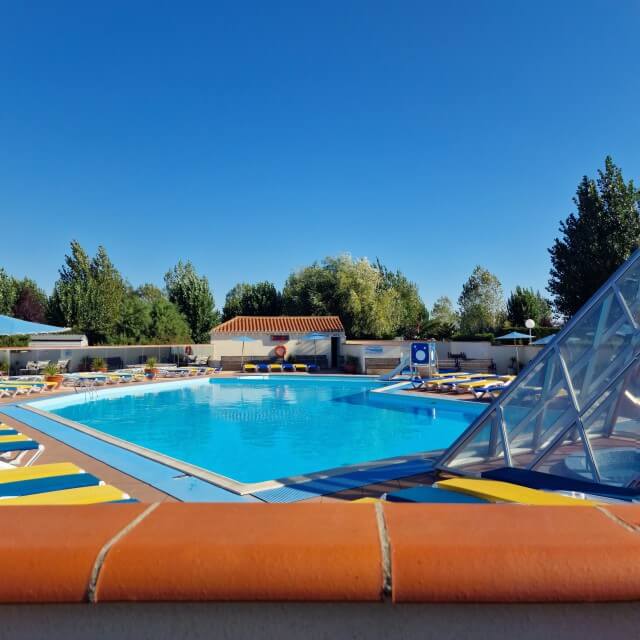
[
  {"x": 526, "y": 303},
  {"x": 8, "y": 292},
  {"x": 191, "y": 294},
  {"x": 134, "y": 323},
  {"x": 88, "y": 295},
  {"x": 596, "y": 239},
  {"x": 444, "y": 318},
  {"x": 260, "y": 299},
  {"x": 168, "y": 325},
  {"x": 31, "y": 302},
  {"x": 410, "y": 317},
  {"x": 481, "y": 302},
  {"x": 372, "y": 301}
]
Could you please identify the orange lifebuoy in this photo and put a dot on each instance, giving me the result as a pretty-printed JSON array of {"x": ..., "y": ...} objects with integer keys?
[{"x": 280, "y": 351}]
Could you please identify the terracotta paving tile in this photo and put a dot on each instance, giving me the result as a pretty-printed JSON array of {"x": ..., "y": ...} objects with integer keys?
[
  {"x": 47, "y": 553},
  {"x": 510, "y": 553},
  {"x": 247, "y": 552},
  {"x": 628, "y": 513}
]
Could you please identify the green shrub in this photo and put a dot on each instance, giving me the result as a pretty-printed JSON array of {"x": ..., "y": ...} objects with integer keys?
[{"x": 14, "y": 341}]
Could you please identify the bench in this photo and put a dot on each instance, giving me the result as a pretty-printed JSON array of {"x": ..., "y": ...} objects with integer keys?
[{"x": 378, "y": 366}]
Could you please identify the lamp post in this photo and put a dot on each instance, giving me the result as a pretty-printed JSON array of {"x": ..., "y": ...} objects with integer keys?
[{"x": 529, "y": 324}]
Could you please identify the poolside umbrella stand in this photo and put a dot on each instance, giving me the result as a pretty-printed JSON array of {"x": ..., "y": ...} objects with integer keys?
[
  {"x": 315, "y": 336},
  {"x": 515, "y": 336},
  {"x": 243, "y": 339}
]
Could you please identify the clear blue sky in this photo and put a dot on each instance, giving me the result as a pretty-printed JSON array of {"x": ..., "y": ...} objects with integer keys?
[{"x": 255, "y": 137}]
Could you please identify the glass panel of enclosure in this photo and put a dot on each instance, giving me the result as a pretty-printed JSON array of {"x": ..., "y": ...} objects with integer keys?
[
  {"x": 589, "y": 385},
  {"x": 537, "y": 410},
  {"x": 598, "y": 346},
  {"x": 629, "y": 285}
]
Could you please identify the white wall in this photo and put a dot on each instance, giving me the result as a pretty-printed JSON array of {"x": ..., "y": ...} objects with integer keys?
[{"x": 264, "y": 347}]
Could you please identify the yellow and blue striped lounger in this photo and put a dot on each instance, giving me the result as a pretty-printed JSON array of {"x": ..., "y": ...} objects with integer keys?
[
  {"x": 497, "y": 491},
  {"x": 83, "y": 495},
  {"x": 300, "y": 367},
  {"x": 39, "y": 471},
  {"x": 276, "y": 366}
]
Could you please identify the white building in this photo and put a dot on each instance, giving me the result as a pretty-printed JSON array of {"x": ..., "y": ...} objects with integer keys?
[{"x": 269, "y": 333}]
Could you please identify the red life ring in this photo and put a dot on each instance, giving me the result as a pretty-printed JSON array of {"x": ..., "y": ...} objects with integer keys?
[{"x": 280, "y": 351}]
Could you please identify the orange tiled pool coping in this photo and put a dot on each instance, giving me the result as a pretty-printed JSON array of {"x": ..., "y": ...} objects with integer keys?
[{"x": 320, "y": 552}]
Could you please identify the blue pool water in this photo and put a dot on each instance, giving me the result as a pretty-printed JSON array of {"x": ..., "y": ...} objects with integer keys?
[{"x": 256, "y": 430}]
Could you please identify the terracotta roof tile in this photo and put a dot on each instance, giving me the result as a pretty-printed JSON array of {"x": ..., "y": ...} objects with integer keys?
[{"x": 281, "y": 324}]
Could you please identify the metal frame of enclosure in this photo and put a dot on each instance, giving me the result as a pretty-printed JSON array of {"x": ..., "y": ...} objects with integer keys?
[{"x": 576, "y": 403}]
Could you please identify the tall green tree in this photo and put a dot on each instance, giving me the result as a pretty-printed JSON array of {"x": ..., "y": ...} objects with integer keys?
[
  {"x": 260, "y": 299},
  {"x": 88, "y": 294},
  {"x": 596, "y": 239},
  {"x": 8, "y": 292},
  {"x": 524, "y": 304},
  {"x": 481, "y": 302},
  {"x": 192, "y": 295}
]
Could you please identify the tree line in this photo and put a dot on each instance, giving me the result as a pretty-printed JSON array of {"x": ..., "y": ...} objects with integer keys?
[{"x": 373, "y": 301}]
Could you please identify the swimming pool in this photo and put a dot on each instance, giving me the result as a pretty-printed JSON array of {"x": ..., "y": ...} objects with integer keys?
[{"x": 253, "y": 430}]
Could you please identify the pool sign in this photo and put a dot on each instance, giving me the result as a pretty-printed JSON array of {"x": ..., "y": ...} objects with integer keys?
[{"x": 423, "y": 353}]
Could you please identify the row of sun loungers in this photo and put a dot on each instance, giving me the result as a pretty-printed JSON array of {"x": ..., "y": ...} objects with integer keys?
[
  {"x": 46, "y": 484},
  {"x": 480, "y": 385},
  {"x": 276, "y": 367}
]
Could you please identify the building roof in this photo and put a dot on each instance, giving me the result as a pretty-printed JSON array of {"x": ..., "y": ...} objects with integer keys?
[{"x": 280, "y": 324}]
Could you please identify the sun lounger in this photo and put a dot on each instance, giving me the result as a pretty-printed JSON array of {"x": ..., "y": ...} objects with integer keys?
[
  {"x": 13, "y": 390},
  {"x": 551, "y": 482},
  {"x": 496, "y": 491},
  {"x": 276, "y": 366},
  {"x": 492, "y": 389},
  {"x": 313, "y": 368},
  {"x": 20, "y": 448},
  {"x": 16, "y": 474},
  {"x": 250, "y": 368},
  {"x": 8, "y": 432},
  {"x": 263, "y": 368},
  {"x": 46, "y": 484},
  {"x": 83, "y": 495},
  {"x": 287, "y": 366},
  {"x": 299, "y": 366},
  {"x": 467, "y": 387},
  {"x": 433, "y": 495}
]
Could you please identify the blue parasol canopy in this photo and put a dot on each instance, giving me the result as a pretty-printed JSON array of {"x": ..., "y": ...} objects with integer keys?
[
  {"x": 14, "y": 327},
  {"x": 514, "y": 335}
]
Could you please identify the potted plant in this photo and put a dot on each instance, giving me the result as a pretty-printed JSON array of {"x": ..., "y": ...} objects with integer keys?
[
  {"x": 4, "y": 367},
  {"x": 150, "y": 368},
  {"x": 99, "y": 365},
  {"x": 52, "y": 374}
]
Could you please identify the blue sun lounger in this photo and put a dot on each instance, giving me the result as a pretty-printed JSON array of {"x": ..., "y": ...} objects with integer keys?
[
  {"x": 287, "y": 366},
  {"x": 263, "y": 368},
  {"x": 8, "y": 432},
  {"x": 21, "y": 445},
  {"x": 44, "y": 485},
  {"x": 551, "y": 482},
  {"x": 432, "y": 495},
  {"x": 313, "y": 368}
]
